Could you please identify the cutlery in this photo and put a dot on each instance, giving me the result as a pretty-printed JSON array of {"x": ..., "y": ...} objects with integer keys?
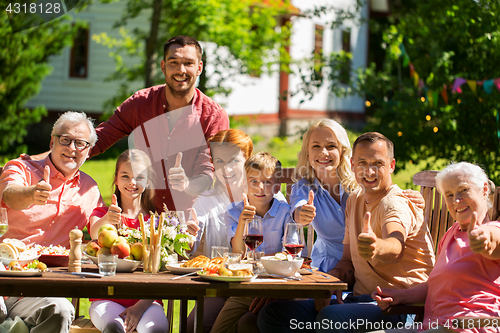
[
  {"x": 82, "y": 274},
  {"x": 286, "y": 277},
  {"x": 181, "y": 276}
]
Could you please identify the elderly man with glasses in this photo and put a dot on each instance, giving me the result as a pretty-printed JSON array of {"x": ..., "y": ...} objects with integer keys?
[{"x": 46, "y": 199}]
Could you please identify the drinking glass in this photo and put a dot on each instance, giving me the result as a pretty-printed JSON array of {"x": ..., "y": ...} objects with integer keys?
[
  {"x": 294, "y": 238},
  {"x": 182, "y": 221},
  {"x": 4, "y": 221},
  {"x": 253, "y": 235},
  {"x": 107, "y": 264},
  {"x": 219, "y": 251}
]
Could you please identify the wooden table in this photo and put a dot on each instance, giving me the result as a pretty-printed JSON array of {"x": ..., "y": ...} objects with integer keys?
[{"x": 138, "y": 285}]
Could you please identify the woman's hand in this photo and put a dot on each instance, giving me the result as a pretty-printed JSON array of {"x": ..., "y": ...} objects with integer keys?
[
  {"x": 133, "y": 314},
  {"x": 415, "y": 197},
  {"x": 307, "y": 212}
]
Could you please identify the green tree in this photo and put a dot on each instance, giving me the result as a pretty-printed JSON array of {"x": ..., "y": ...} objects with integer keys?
[
  {"x": 23, "y": 66},
  {"x": 243, "y": 38},
  {"x": 442, "y": 40}
]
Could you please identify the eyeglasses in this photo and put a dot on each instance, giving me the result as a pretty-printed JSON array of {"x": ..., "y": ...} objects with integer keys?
[{"x": 79, "y": 144}]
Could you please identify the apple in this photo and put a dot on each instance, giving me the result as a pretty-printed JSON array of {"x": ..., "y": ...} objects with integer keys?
[
  {"x": 136, "y": 251},
  {"x": 106, "y": 238},
  {"x": 107, "y": 226},
  {"x": 103, "y": 250},
  {"x": 130, "y": 257},
  {"x": 92, "y": 248},
  {"x": 121, "y": 248}
]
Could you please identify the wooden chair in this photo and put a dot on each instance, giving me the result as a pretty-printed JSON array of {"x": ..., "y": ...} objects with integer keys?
[{"x": 286, "y": 178}]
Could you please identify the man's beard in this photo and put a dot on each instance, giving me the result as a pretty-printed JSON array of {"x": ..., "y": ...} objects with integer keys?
[{"x": 181, "y": 93}]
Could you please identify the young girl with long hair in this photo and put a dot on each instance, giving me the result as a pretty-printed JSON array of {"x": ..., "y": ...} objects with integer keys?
[{"x": 132, "y": 196}]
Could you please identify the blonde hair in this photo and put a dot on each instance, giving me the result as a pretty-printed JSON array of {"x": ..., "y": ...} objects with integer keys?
[
  {"x": 264, "y": 162},
  {"x": 304, "y": 168}
]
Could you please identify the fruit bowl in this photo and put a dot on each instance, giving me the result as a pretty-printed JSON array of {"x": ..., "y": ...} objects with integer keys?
[
  {"x": 281, "y": 267},
  {"x": 123, "y": 265}
]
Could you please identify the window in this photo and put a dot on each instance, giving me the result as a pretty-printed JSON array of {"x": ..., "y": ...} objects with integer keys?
[
  {"x": 78, "y": 67},
  {"x": 318, "y": 50}
]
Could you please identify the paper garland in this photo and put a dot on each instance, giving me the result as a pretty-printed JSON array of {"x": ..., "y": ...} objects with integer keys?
[{"x": 432, "y": 96}]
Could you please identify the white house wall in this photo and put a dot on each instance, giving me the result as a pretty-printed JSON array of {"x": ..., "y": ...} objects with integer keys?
[
  {"x": 60, "y": 92},
  {"x": 302, "y": 45}
]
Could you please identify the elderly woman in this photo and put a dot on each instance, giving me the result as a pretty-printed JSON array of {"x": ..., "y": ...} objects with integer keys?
[{"x": 465, "y": 281}]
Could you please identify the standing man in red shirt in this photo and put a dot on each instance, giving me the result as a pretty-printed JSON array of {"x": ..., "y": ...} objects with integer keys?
[{"x": 171, "y": 123}]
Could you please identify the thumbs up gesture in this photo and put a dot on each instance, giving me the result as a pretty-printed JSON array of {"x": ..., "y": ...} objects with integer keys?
[
  {"x": 114, "y": 215},
  {"x": 42, "y": 189},
  {"x": 177, "y": 177},
  {"x": 479, "y": 237},
  {"x": 367, "y": 240},
  {"x": 193, "y": 223},
  {"x": 248, "y": 210},
  {"x": 307, "y": 212}
]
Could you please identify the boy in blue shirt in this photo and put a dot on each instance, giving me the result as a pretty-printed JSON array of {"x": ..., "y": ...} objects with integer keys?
[{"x": 262, "y": 184}]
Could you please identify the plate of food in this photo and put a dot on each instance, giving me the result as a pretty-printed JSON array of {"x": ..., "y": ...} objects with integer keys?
[
  {"x": 54, "y": 260},
  {"x": 53, "y": 256},
  {"x": 15, "y": 250},
  {"x": 14, "y": 268},
  {"x": 222, "y": 278},
  {"x": 27, "y": 273},
  {"x": 196, "y": 264},
  {"x": 178, "y": 269}
]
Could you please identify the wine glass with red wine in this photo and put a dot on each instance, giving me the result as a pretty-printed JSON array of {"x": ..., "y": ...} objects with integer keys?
[
  {"x": 294, "y": 238},
  {"x": 253, "y": 235}
]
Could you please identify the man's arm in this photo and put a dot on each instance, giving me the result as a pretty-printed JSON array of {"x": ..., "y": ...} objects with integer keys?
[
  {"x": 344, "y": 271},
  {"x": 387, "y": 249},
  {"x": 19, "y": 197}
]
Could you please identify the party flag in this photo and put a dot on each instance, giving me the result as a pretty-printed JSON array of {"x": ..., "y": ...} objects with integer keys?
[
  {"x": 412, "y": 70},
  {"x": 416, "y": 79},
  {"x": 488, "y": 86},
  {"x": 421, "y": 85},
  {"x": 456, "y": 85},
  {"x": 497, "y": 83},
  {"x": 473, "y": 85},
  {"x": 435, "y": 95},
  {"x": 406, "y": 60},
  {"x": 430, "y": 97},
  {"x": 444, "y": 93}
]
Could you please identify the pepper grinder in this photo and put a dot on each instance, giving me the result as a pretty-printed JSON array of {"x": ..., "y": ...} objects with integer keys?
[{"x": 75, "y": 251}]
